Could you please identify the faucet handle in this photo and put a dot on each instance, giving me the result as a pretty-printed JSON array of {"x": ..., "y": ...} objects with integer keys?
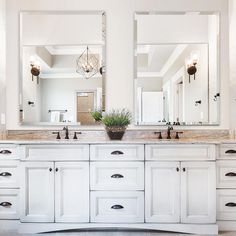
[
  {"x": 177, "y": 134},
  {"x": 75, "y": 134},
  {"x": 158, "y": 132},
  {"x": 58, "y": 134}
]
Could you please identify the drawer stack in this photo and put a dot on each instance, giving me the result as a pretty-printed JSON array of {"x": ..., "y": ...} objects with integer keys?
[
  {"x": 117, "y": 183},
  {"x": 226, "y": 186},
  {"x": 9, "y": 184}
]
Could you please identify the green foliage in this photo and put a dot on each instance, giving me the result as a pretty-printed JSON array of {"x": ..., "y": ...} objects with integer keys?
[
  {"x": 117, "y": 118},
  {"x": 97, "y": 115}
]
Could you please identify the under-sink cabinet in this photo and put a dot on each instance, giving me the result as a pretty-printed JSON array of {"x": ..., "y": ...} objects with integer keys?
[
  {"x": 158, "y": 186},
  {"x": 54, "y": 191},
  {"x": 180, "y": 192}
]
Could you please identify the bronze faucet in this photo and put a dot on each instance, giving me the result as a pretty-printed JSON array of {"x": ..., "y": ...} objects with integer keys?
[
  {"x": 66, "y": 132},
  {"x": 168, "y": 131}
]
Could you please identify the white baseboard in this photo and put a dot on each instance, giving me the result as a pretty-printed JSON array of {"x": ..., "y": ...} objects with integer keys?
[
  {"x": 9, "y": 225},
  {"x": 227, "y": 225},
  {"x": 181, "y": 228}
]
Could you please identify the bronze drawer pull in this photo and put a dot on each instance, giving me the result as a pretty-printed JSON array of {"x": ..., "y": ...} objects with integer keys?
[
  {"x": 5, "y": 152},
  {"x": 5, "y": 174},
  {"x": 231, "y": 151},
  {"x": 117, "y": 207},
  {"x": 231, "y": 174},
  {"x": 117, "y": 176},
  {"x": 230, "y": 204},
  {"x": 117, "y": 153},
  {"x": 5, "y": 204}
]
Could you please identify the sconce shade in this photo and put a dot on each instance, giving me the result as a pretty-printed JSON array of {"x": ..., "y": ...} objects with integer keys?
[
  {"x": 192, "y": 70},
  {"x": 35, "y": 71}
]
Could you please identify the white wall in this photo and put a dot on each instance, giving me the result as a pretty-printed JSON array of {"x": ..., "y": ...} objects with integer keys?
[
  {"x": 120, "y": 45},
  {"x": 232, "y": 25},
  {"x": 54, "y": 30},
  {"x": 197, "y": 89},
  {"x": 30, "y": 89},
  {"x": 2, "y": 64},
  {"x": 165, "y": 29},
  {"x": 150, "y": 84},
  {"x": 60, "y": 94}
]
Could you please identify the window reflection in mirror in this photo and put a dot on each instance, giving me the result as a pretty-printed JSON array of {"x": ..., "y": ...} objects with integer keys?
[
  {"x": 63, "y": 68},
  {"x": 176, "y": 68}
]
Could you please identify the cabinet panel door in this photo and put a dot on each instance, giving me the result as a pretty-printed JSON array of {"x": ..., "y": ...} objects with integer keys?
[
  {"x": 37, "y": 192},
  {"x": 162, "y": 192},
  {"x": 72, "y": 192},
  {"x": 198, "y": 192}
]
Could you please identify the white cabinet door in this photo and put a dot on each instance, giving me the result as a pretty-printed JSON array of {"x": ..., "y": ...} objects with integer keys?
[
  {"x": 72, "y": 192},
  {"x": 37, "y": 192},
  {"x": 198, "y": 192},
  {"x": 162, "y": 192}
]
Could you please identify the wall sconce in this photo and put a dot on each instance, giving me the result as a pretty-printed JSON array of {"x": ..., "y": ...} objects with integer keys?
[
  {"x": 199, "y": 102},
  {"x": 30, "y": 103},
  {"x": 216, "y": 97},
  {"x": 35, "y": 69},
  {"x": 191, "y": 63}
]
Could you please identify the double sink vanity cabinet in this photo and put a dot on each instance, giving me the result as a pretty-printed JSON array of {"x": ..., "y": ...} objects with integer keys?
[{"x": 49, "y": 186}]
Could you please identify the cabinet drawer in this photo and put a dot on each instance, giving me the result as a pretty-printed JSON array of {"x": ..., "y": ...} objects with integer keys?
[
  {"x": 117, "y": 176},
  {"x": 226, "y": 204},
  {"x": 227, "y": 151},
  {"x": 226, "y": 174},
  {"x": 117, "y": 152},
  {"x": 9, "y": 174},
  {"x": 9, "y": 204},
  {"x": 9, "y": 151},
  {"x": 55, "y": 152},
  {"x": 117, "y": 207},
  {"x": 180, "y": 152}
]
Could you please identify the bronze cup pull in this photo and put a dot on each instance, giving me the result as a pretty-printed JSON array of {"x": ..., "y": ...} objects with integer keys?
[
  {"x": 117, "y": 207},
  {"x": 117, "y": 176},
  {"x": 117, "y": 153},
  {"x": 5, "y": 152},
  {"x": 5, "y": 174},
  {"x": 231, "y": 151},
  {"x": 5, "y": 204}
]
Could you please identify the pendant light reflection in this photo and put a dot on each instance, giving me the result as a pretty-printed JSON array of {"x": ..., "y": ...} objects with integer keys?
[{"x": 87, "y": 64}]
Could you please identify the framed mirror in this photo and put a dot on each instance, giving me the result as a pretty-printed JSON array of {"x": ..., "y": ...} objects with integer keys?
[
  {"x": 63, "y": 67},
  {"x": 176, "y": 68}
]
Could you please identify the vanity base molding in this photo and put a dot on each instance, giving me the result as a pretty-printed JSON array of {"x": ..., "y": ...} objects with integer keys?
[
  {"x": 227, "y": 225},
  {"x": 9, "y": 226},
  {"x": 33, "y": 228}
]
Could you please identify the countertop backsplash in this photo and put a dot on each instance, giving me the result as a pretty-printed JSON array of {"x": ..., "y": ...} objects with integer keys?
[{"x": 129, "y": 135}]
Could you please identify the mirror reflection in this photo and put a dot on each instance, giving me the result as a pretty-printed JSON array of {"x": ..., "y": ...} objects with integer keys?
[
  {"x": 176, "y": 68},
  {"x": 62, "y": 82}
]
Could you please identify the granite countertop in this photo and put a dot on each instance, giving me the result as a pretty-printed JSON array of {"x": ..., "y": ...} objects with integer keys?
[{"x": 124, "y": 141}]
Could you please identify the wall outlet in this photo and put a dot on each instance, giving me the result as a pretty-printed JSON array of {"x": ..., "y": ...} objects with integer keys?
[{"x": 3, "y": 119}]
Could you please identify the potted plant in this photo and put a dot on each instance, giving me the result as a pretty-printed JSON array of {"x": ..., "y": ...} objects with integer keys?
[
  {"x": 97, "y": 116},
  {"x": 116, "y": 123}
]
